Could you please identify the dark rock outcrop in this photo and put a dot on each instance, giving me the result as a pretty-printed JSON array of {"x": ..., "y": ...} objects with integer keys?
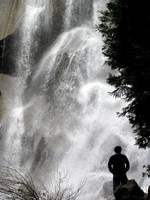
[
  {"x": 8, "y": 55},
  {"x": 130, "y": 191}
]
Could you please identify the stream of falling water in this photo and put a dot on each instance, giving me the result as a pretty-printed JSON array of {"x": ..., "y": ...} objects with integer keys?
[
  {"x": 15, "y": 131},
  {"x": 67, "y": 122}
]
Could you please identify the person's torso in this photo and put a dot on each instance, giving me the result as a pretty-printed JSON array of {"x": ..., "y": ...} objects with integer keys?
[{"x": 119, "y": 163}]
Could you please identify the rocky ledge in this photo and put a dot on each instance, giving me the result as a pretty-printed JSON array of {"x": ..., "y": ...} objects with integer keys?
[{"x": 131, "y": 191}]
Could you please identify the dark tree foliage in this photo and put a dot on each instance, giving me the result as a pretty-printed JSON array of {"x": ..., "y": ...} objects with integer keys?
[
  {"x": 125, "y": 27},
  {"x": 146, "y": 171}
]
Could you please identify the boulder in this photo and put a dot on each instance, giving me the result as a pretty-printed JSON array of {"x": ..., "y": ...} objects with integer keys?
[{"x": 130, "y": 191}]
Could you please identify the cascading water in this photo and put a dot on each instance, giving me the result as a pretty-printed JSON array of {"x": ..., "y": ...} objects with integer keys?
[
  {"x": 34, "y": 11},
  {"x": 62, "y": 117},
  {"x": 78, "y": 13},
  {"x": 16, "y": 127}
]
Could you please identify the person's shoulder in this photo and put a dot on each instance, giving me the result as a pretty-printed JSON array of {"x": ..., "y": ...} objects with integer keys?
[
  {"x": 113, "y": 156},
  {"x": 124, "y": 156},
  {"x": 118, "y": 155}
]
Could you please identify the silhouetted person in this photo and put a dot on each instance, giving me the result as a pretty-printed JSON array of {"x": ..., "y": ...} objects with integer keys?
[{"x": 118, "y": 165}]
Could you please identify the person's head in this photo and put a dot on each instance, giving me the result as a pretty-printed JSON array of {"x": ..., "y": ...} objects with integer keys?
[{"x": 118, "y": 149}]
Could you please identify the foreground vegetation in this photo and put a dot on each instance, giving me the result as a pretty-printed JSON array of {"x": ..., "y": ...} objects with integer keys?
[{"x": 16, "y": 185}]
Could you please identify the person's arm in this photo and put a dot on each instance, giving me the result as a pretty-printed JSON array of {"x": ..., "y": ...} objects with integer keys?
[
  {"x": 110, "y": 166},
  {"x": 127, "y": 164}
]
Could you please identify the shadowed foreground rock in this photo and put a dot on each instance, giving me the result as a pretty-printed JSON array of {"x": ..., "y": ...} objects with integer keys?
[{"x": 130, "y": 191}]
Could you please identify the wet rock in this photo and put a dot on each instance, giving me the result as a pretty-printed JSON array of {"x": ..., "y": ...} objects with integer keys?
[
  {"x": 8, "y": 55},
  {"x": 130, "y": 191}
]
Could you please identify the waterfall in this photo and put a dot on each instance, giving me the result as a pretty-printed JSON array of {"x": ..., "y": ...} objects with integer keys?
[
  {"x": 35, "y": 11},
  {"x": 61, "y": 117},
  {"x": 78, "y": 13}
]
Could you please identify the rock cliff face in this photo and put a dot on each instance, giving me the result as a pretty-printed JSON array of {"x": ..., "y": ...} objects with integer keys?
[
  {"x": 130, "y": 191},
  {"x": 10, "y": 15}
]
